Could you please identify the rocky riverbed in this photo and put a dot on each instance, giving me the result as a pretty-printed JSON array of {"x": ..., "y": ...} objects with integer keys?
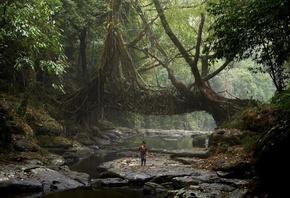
[
  {"x": 167, "y": 176},
  {"x": 183, "y": 173},
  {"x": 34, "y": 178}
]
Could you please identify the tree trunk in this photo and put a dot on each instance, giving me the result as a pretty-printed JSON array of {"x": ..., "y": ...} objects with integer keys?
[
  {"x": 83, "y": 58},
  {"x": 31, "y": 81}
]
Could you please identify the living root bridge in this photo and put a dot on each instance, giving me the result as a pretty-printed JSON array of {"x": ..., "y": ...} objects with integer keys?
[
  {"x": 146, "y": 101},
  {"x": 118, "y": 85}
]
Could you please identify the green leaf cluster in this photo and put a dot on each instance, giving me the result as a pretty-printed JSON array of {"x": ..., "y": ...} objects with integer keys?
[
  {"x": 257, "y": 29},
  {"x": 282, "y": 100},
  {"x": 29, "y": 37}
]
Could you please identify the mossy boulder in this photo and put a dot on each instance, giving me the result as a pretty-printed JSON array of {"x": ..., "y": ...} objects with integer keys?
[
  {"x": 54, "y": 141},
  {"x": 11, "y": 123},
  {"x": 21, "y": 143},
  {"x": 221, "y": 139},
  {"x": 43, "y": 124},
  {"x": 85, "y": 138}
]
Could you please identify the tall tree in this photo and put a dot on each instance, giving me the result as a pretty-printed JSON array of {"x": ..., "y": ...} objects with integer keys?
[
  {"x": 30, "y": 45},
  {"x": 259, "y": 29},
  {"x": 82, "y": 21},
  {"x": 118, "y": 81}
]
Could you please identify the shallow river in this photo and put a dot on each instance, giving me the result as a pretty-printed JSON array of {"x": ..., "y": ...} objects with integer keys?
[
  {"x": 89, "y": 165},
  {"x": 156, "y": 142}
]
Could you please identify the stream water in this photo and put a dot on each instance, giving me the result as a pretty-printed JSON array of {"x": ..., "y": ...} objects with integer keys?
[
  {"x": 89, "y": 165},
  {"x": 119, "y": 150}
]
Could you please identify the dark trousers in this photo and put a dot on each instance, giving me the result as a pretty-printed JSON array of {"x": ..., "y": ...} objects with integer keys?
[{"x": 143, "y": 159}]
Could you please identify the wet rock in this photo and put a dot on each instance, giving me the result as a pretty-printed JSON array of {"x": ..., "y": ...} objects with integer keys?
[
  {"x": 195, "y": 178},
  {"x": 37, "y": 178},
  {"x": 185, "y": 180},
  {"x": 186, "y": 193},
  {"x": 101, "y": 141},
  {"x": 137, "y": 178},
  {"x": 217, "y": 187},
  {"x": 188, "y": 160},
  {"x": 109, "y": 182},
  {"x": 54, "y": 142},
  {"x": 242, "y": 170},
  {"x": 104, "y": 166},
  {"x": 25, "y": 145},
  {"x": 194, "y": 152},
  {"x": 201, "y": 192},
  {"x": 114, "y": 135},
  {"x": 195, "y": 192},
  {"x": 151, "y": 189},
  {"x": 96, "y": 184},
  {"x": 158, "y": 167},
  {"x": 55, "y": 160}
]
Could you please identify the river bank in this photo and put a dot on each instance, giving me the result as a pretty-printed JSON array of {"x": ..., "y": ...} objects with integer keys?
[{"x": 165, "y": 167}]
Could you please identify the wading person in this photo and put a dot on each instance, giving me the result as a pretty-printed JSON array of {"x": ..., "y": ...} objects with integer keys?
[{"x": 143, "y": 153}]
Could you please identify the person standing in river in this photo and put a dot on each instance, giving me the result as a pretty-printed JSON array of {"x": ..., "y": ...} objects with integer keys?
[{"x": 143, "y": 152}]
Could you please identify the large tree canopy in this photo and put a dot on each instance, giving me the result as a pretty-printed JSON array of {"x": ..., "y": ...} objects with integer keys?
[
  {"x": 29, "y": 38},
  {"x": 136, "y": 53},
  {"x": 259, "y": 29},
  {"x": 118, "y": 84},
  {"x": 30, "y": 46}
]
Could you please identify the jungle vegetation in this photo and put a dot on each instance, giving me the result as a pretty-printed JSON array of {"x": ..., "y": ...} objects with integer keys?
[{"x": 144, "y": 63}]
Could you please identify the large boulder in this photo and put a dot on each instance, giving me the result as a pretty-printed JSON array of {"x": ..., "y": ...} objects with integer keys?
[{"x": 34, "y": 177}]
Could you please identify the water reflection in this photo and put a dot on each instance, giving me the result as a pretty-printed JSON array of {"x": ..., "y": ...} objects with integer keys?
[
  {"x": 165, "y": 142},
  {"x": 90, "y": 164}
]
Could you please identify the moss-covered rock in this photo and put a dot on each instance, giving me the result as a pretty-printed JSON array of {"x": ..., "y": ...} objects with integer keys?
[
  {"x": 11, "y": 123},
  {"x": 54, "y": 141},
  {"x": 221, "y": 139},
  {"x": 21, "y": 143},
  {"x": 85, "y": 138},
  {"x": 43, "y": 124}
]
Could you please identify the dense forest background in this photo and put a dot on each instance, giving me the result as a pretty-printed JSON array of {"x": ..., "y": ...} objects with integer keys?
[
  {"x": 52, "y": 48},
  {"x": 73, "y": 69}
]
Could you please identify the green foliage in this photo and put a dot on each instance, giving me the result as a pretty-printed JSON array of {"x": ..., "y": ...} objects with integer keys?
[
  {"x": 262, "y": 118},
  {"x": 87, "y": 19},
  {"x": 239, "y": 82},
  {"x": 249, "y": 142},
  {"x": 257, "y": 29},
  {"x": 43, "y": 151},
  {"x": 259, "y": 119},
  {"x": 35, "y": 33},
  {"x": 135, "y": 120},
  {"x": 29, "y": 37},
  {"x": 223, "y": 146},
  {"x": 183, "y": 18},
  {"x": 235, "y": 122},
  {"x": 282, "y": 100},
  {"x": 194, "y": 121}
]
